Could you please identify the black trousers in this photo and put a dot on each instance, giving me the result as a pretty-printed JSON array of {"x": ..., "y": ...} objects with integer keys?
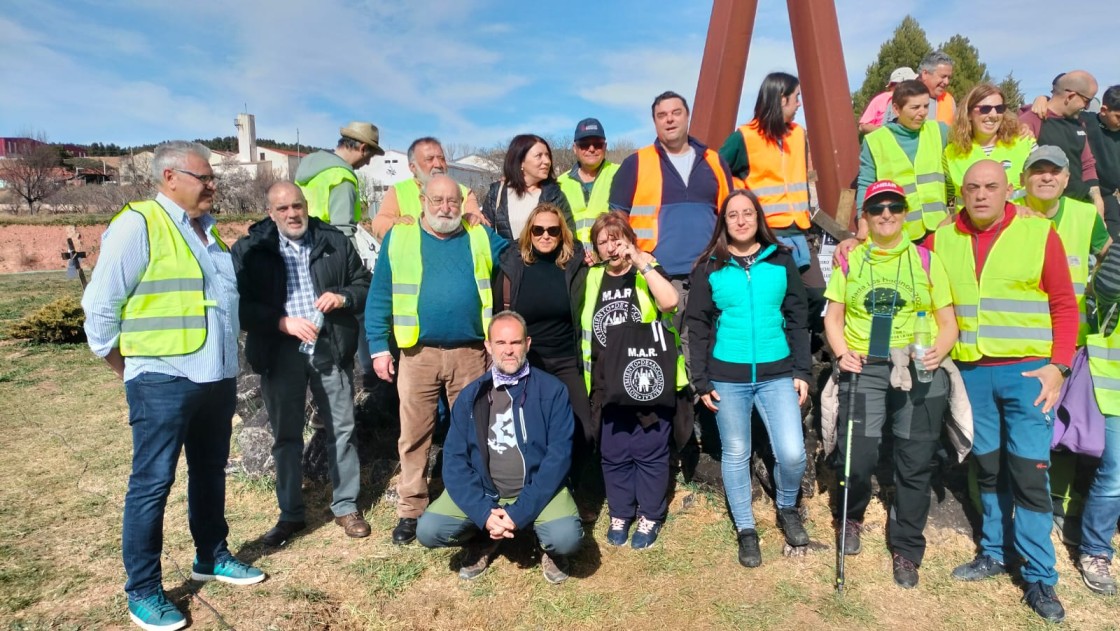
[{"x": 586, "y": 439}]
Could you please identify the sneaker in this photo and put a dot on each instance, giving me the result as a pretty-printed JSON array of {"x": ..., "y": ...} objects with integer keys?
[
  {"x": 645, "y": 535},
  {"x": 156, "y": 613},
  {"x": 1044, "y": 602},
  {"x": 749, "y": 553},
  {"x": 1096, "y": 571},
  {"x": 476, "y": 558},
  {"x": 978, "y": 569},
  {"x": 852, "y": 544},
  {"x": 619, "y": 531},
  {"x": 789, "y": 519},
  {"x": 228, "y": 570},
  {"x": 905, "y": 572},
  {"x": 554, "y": 567}
]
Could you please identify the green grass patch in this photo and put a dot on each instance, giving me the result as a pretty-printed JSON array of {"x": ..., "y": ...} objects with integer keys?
[{"x": 388, "y": 576}]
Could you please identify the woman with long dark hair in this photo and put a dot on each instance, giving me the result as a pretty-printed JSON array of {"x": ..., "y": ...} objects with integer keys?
[
  {"x": 748, "y": 318},
  {"x": 527, "y": 180}
]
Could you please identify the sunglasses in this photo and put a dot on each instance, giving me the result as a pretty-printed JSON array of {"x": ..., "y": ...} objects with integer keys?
[
  {"x": 591, "y": 144},
  {"x": 538, "y": 231},
  {"x": 877, "y": 209},
  {"x": 987, "y": 109}
]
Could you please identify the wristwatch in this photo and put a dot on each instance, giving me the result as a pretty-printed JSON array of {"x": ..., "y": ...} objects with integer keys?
[
  {"x": 648, "y": 268},
  {"x": 345, "y": 301},
  {"x": 1062, "y": 368}
]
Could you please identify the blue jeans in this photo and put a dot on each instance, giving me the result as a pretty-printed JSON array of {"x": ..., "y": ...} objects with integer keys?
[
  {"x": 777, "y": 405},
  {"x": 1006, "y": 421},
  {"x": 167, "y": 414},
  {"x": 1102, "y": 506}
]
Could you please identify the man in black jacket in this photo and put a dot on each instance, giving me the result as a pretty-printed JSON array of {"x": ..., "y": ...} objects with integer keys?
[{"x": 301, "y": 284}]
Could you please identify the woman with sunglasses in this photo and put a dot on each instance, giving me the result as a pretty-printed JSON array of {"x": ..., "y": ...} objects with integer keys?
[
  {"x": 542, "y": 279},
  {"x": 748, "y": 318},
  {"x": 985, "y": 128},
  {"x": 526, "y": 181},
  {"x": 873, "y": 304}
]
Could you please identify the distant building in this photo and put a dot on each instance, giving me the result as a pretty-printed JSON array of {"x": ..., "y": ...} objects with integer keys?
[{"x": 16, "y": 147}]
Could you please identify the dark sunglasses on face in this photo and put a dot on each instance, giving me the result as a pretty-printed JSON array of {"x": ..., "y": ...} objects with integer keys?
[
  {"x": 987, "y": 109},
  {"x": 591, "y": 144},
  {"x": 553, "y": 231},
  {"x": 877, "y": 209}
]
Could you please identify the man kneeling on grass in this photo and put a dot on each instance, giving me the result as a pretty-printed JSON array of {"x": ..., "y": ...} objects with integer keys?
[{"x": 506, "y": 460}]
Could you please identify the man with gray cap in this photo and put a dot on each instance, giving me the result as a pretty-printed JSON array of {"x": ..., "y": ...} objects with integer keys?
[
  {"x": 588, "y": 185},
  {"x": 876, "y": 112}
]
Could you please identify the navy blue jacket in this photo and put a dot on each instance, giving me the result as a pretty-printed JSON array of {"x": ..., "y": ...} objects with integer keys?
[{"x": 543, "y": 426}]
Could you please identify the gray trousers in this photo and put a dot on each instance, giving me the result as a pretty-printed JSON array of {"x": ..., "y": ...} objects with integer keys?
[{"x": 285, "y": 397}]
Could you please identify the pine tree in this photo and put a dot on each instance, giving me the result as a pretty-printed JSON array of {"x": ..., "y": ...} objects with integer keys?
[
  {"x": 1012, "y": 92},
  {"x": 906, "y": 47},
  {"x": 968, "y": 70}
]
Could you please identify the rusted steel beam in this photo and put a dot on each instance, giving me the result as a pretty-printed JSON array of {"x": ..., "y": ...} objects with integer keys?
[{"x": 723, "y": 70}]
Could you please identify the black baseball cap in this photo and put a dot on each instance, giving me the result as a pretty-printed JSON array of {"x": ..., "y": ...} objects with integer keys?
[{"x": 589, "y": 128}]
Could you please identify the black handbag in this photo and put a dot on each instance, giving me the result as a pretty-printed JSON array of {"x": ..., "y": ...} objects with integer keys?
[{"x": 639, "y": 365}]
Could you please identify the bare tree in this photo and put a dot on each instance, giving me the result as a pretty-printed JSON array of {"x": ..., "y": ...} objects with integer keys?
[{"x": 35, "y": 175}]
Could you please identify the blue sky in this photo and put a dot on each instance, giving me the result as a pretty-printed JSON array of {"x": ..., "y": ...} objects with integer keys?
[{"x": 472, "y": 72}]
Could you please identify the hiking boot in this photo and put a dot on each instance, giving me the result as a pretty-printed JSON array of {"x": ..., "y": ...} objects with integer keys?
[
  {"x": 156, "y": 613},
  {"x": 554, "y": 567},
  {"x": 1044, "y": 601},
  {"x": 282, "y": 532},
  {"x": 789, "y": 519},
  {"x": 978, "y": 569},
  {"x": 476, "y": 559},
  {"x": 1096, "y": 571},
  {"x": 227, "y": 570},
  {"x": 852, "y": 544},
  {"x": 619, "y": 531},
  {"x": 405, "y": 532},
  {"x": 749, "y": 553},
  {"x": 354, "y": 525},
  {"x": 905, "y": 572},
  {"x": 645, "y": 535}
]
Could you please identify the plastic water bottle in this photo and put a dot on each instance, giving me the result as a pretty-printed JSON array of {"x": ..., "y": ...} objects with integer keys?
[
  {"x": 308, "y": 348},
  {"x": 923, "y": 341}
]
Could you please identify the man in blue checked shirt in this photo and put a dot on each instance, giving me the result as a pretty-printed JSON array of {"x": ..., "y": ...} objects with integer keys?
[{"x": 162, "y": 311}]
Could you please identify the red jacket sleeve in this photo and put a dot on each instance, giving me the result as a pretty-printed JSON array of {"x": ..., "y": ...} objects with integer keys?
[{"x": 1063, "y": 303}]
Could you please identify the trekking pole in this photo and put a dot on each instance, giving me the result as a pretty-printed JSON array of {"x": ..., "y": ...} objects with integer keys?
[{"x": 844, "y": 485}]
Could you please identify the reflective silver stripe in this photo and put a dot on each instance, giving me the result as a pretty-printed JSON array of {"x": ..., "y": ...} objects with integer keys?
[
  {"x": 966, "y": 311},
  {"x": 409, "y": 289},
  {"x": 168, "y": 284},
  {"x": 487, "y": 313},
  {"x": 587, "y": 367},
  {"x": 798, "y": 187},
  {"x": 136, "y": 325},
  {"x": 1100, "y": 352},
  {"x": 484, "y": 283},
  {"x": 587, "y": 336},
  {"x": 406, "y": 320},
  {"x": 1106, "y": 383},
  {"x": 1079, "y": 288},
  {"x": 910, "y": 188},
  {"x": 644, "y": 233},
  {"x": 929, "y": 178},
  {"x": 966, "y": 337},
  {"x": 585, "y": 223},
  {"x": 914, "y": 215},
  {"x": 933, "y": 207},
  {"x": 1013, "y": 305},
  {"x": 770, "y": 209},
  {"x": 1015, "y": 333},
  {"x": 642, "y": 210}
]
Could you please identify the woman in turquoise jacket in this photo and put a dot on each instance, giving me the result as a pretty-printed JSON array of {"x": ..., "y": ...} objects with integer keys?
[{"x": 749, "y": 344}]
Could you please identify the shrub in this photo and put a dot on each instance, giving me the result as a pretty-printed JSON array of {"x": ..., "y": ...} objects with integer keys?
[{"x": 57, "y": 322}]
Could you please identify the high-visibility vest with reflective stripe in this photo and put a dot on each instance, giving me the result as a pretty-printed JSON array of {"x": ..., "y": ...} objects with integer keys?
[
  {"x": 649, "y": 313},
  {"x": 1006, "y": 313},
  {"x": 778, "y": 175},
  {"x": 317, "y": 192},
  {"x": 585, "y": 213},
  {"x": 1104, "y": 366},
  {"x": 1076, "y": 232},
  {"x": 407, "y": 270},
  {"x": 921, "y": 180},
  {"x": 166, "y": 314},
  {"x": 1012, "y": 156},
  {"x": 408, "y": 197},
  {"x": 646, "y": 205}
]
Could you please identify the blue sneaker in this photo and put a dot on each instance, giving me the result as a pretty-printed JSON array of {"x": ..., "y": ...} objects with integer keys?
[
  {"x": 619, "y": 531},
  {"x": 228, "y": 570},
  {"x": 156, "y": 613},
  {"x": 645, "y": 534}
]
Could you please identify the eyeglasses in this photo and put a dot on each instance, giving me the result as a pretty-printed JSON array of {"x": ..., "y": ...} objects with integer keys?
[
  {"x": 734, "y": 216},
  {"x": 1088, "y": 99},
  {"x": 591, "y": 144},
  {"x": 538, "y": 231},
  {"x": 988, "y": 109},
  {"x": 877, "y": 209},
  {"x": 439, "y": 202},
  {"x": 206, "y": 180}
]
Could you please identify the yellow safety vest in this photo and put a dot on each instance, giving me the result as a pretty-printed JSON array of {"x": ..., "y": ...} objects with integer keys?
[
  {"x": 921, "y": 180},
  {"x": 585, "y": 213},
  {"x": 645, "y": 306},
  {"x": 408, "y": 197},
  {"x": 1012, "y": 156},
  {"x": 407, "y": 270},
  {"x": 166, "y": 313},
  {"x": 1104, "y": 366},
  {"x": 317, "y": 192},
  {"x": 1076, "y": 232},
  {"x": 1005, "y": 314}
]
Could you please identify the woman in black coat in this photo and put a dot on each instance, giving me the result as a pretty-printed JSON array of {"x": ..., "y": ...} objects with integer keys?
[{"x": 527, "y": 181}]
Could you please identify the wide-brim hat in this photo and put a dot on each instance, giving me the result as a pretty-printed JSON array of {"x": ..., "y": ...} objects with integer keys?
[{"x": 365, "y": 133}]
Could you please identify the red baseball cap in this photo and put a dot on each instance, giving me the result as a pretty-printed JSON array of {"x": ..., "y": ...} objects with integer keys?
[{"x": 881, "y": 187}]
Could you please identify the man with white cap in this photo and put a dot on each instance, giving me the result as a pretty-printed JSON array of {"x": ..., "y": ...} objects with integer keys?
[{"x": 876, "y": 112}]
